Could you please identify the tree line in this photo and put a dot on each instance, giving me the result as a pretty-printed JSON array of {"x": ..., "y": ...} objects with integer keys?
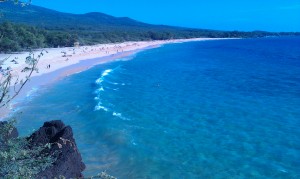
[{"x": 18, "y": 37}]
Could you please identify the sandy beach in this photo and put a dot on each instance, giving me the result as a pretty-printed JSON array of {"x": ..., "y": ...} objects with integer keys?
[{"x": 57, "y": 63}]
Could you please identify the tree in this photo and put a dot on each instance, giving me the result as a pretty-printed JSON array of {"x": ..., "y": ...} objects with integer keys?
[
  {"x": 11, "y": 84},
  {"x": 17, "y": 158},
  {"x": 6, "y": 43}
]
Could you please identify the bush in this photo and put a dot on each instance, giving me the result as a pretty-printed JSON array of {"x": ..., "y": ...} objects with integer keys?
[{"x": 17, "y": 158}]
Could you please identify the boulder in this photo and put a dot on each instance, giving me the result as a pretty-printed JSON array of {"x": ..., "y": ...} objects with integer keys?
[{"x": 63, "y": 147}]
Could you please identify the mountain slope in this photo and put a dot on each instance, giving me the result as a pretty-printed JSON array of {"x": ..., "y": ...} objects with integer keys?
[{"x": 50, "y": 19}]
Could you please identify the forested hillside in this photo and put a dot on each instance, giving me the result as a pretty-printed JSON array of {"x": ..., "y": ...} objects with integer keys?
[
  {"x": 35, "y": 27},
  {"x": 20, "y": 37}
]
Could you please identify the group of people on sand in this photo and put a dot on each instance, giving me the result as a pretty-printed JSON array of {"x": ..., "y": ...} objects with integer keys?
[
  {"x": 5, "y": 71},
  {"x": 106, "y": 49}
]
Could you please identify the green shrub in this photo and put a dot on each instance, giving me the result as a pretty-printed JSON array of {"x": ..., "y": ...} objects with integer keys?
[{"x": 18, "y": 159}]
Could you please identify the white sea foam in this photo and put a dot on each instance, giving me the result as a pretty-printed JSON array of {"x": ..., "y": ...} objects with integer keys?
[
  {"x": 100, "y": 89},
  {"x": 99, "y": 107},
  {"x": 97, "y": 91},
  {"x": 99, "y": 80},
  {"x": 119, "y": 115},
  {"x": 112, "y": 83},
  {"x": 106, "y": 72}
]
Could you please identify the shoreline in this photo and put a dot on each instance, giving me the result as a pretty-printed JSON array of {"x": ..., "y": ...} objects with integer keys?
[
  {"x": 36, "y": 83},
  {"x": 71, "y": 60}
]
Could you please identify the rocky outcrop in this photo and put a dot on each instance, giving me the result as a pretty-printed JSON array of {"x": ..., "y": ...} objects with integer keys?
[
  {"x": 63, "y": 147},
  {"x": 68, "y": 161}
]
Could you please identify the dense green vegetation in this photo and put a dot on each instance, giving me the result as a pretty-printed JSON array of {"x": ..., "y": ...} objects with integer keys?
[
  {"x": 17, "y": 158},
  {"x": 16, "y": 37},
  {"x": 20, "y": 37},
  {"x": 36, "y": 27}
]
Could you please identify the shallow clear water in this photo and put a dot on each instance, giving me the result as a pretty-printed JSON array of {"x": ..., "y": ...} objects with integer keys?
[{"x": 214, "y": 109}]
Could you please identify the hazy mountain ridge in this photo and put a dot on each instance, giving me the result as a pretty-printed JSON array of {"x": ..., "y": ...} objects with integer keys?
[{"x": 51, "y": 19}]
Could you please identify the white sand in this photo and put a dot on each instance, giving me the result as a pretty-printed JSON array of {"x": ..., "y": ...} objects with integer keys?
[
  {"x": 74, "y": 55},
  {"x": 60, "y": 59}
]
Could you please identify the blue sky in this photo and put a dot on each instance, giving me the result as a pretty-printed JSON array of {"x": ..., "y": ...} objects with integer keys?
[{"x": 247, "y": 15}]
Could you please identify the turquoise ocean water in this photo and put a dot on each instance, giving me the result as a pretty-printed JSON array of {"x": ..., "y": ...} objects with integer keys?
[{"x": 213, "y": 109}]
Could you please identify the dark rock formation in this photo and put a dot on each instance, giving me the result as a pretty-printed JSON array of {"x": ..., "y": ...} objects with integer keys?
[{"x": 68, "y": 162}]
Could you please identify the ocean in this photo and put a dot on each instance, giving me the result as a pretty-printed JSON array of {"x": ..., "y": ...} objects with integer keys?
[{"x": 210, "y": 109}]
